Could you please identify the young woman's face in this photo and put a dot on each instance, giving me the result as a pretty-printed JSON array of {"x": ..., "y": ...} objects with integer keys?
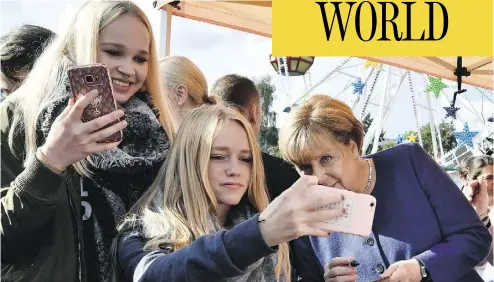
[
  {"x": 230, "y": 164},
  {"x": 124, "y": 49}
]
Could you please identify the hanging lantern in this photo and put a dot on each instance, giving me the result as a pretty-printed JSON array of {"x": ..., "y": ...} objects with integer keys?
[{"x": 296, "y": 65}]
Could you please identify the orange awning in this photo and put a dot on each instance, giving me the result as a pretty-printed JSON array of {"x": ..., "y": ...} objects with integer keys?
[
  {"x": 255, "y": 17},
  {"x": 249, "y": 16}
]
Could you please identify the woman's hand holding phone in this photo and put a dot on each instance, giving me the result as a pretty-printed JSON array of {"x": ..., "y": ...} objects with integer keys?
[
  {"x": 71, "y": 140},
  {"x": 296, "y": 212}
]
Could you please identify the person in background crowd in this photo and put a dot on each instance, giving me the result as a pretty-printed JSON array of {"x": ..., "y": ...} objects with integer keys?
[
  {"x": 185, "y": 85},
  {"x": 462, "y": 170},
  {"x": 19, "y": 50},
  {"x": 65, "y": 192},
  {"x": 477, "y": 173},
  {"x": 243, "y": 93},
  {"x": 423, "y": 228},
  {"x": 200, "y": 219}
]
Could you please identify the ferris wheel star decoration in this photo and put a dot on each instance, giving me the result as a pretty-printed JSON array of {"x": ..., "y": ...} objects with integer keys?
[
  {"x": 465, "y": 136},
  {"x": 358, "y": 86},
  {"x": 451, "y": 111},
  {"x": 435, "y": 86},
  {"x": 399, "y": 140},
  {"x": 371, "y": 64}
]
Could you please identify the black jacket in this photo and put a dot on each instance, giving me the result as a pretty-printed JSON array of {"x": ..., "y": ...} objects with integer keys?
[
  {"x": 279, "y": 174},
  {"x": 40, "y": 217}
]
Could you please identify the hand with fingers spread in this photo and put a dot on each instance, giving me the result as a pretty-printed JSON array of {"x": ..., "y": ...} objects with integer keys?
[
  {"x": 71, "y": 140},
  {"x": 296, "y": 212},
  {"x": 341, "y": 269},
  {"x": 404, "y": 271}
]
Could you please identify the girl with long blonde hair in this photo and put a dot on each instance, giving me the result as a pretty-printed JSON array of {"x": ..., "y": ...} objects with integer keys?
[
  {"x": 64, "y": 187},
  {"x": 200, "y": 219}
]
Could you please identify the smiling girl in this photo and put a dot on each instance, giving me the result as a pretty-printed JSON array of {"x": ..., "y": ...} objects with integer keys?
[{"x": 64, "y": 188}]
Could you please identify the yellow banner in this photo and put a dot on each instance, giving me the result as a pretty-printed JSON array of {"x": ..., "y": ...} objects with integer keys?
[{"x": 382, "y": 28}]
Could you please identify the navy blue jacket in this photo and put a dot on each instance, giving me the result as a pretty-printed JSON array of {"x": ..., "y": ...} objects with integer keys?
[
  {"x": 214, "y": 257},
  {"x": 420, "y": 213}
]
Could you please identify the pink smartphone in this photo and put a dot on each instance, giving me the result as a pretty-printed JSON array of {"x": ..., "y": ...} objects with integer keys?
[
  {"x": 85, "y": 78},
  {"x": 360, "y": 210}
]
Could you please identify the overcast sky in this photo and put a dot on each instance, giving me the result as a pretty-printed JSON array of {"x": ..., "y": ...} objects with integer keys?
[{"x": 219, "y": 51}]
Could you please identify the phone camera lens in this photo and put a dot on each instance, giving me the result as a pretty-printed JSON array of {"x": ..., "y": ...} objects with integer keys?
[{"x": 89, "y": 78}]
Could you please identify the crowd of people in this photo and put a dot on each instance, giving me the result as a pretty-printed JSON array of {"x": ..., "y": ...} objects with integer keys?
[{"x": 187, "y": 194}]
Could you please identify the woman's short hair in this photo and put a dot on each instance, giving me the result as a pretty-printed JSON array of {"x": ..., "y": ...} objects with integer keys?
[
  {"x": 463, "y": 167},
  {"x": 473, "y": 165},
  {"x": 320, "y": 116},
  {"x": 236, "y": 89},
  {"x": 20, "y": 48},
  {"x": 477, "y": 164}
]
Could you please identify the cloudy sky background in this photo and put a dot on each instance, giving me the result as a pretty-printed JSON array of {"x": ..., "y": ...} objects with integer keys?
[{"x": 219, "y": 51}]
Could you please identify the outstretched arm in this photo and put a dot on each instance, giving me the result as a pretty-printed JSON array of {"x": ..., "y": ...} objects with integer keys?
[{"x": 224, "y": 254}]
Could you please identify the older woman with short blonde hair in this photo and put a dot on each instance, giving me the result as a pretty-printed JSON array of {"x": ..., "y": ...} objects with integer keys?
[{"x": 424, "y": 229}]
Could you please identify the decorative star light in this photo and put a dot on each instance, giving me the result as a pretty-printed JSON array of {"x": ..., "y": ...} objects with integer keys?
[
  {"x": 358, "y": 86},
  {"x": 451, "y": 111},
  {"x": 412, "y": 137},
  {"x": 435, "y": 86},
  {"x": 399, "y": 140},
  {"x": 371, "y": 64},
  {"x": 465, "y": 136}
]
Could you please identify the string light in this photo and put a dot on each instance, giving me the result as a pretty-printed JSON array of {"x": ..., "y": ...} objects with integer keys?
[
  {"x": 414, "y": 106},
  {"x": 370, "y": 94},
  {"x": 289, "y": 108}
]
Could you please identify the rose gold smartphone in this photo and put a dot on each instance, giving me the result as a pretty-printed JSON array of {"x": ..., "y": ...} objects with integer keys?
[
  {"x": 360, "y": 209},
  {"x": 85, "y": 78}
]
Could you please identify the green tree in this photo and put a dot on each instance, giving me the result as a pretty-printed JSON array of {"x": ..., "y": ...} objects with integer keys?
[
  {"x": 387, "y": 145},
  {"x": 268, "y": 136},
  {"x": 447, "y": 137},
  {"x": 367, "y": 121}
]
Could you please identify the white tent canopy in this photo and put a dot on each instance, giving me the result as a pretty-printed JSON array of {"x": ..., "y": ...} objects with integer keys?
[{"x": 256, "y": 17}]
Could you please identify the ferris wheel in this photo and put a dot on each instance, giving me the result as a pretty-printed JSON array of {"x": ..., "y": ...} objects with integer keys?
[{"x": 374, "y": 88}]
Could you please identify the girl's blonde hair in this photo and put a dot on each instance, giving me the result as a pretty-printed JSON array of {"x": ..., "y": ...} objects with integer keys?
[
  {"x": 178, "y": 70},
  {"x": 77, "y": 44},
  {"x": 180, "y": 204}
]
